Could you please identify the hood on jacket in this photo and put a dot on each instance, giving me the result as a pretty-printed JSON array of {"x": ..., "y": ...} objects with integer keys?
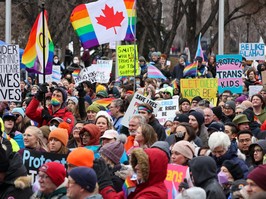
[
  {"x": 153, "y": 163},
  {"x": 262, "y": 144},
  {"x": 94, "y": 132},
  {"x": 23, "y": 182},
  {"x": 203, "y": 168}
]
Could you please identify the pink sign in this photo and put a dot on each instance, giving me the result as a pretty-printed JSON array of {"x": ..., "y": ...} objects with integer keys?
[{"x": 175, "y": 175}]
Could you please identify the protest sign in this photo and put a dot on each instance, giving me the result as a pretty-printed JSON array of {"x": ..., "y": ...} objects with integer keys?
[
  {"x": 103, "y": 70},
  {"x": 167, "y": 110},
  {"x": 254, "y": 89},
  {"x": 86, "y": 74},
  {"x": 54, "y": 77},
  {"x": 126, "y": 60},
  {"x": 133, "y": 107},
  {"x": 204, "y": 87},
  {"x": 175, "y": 175},
  {"x": 263, "y": 77},
  {"x": 9, "y": 73},
  {"x": 33, "y": 160},
  {"x": 229, "y": 73},
  {"x": 252, "y": 51}
]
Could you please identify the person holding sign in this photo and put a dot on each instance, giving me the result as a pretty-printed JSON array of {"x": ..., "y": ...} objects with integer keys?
[
  {"x": 146, "y": 110},
  {"x": 56, "y": 109}
]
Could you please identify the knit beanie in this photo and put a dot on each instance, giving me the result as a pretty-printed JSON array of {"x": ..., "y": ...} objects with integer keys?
[
  {"x": 185, "y": 148},
  {"x": 231, "y": 105},
  {"x": 217, "y": 110},
  {"x": 182, "y": 100},
  {"x": 113, "y": 151},
  {"x": 163, "y": 145},
  {"x": 170, "y": 90},
  {"x": 81, "y": 157},
  {"x": 19, "y": 110},
  {"x": 100, "y": 88},
  {"x": 4, "y": 163},
  {"x": 199, "y": 117},
  {"x": 55, "y": 171},
  {"x": 60, "y": 134},
  {"x": 197, "y": 99},
  {"x": 234, "y": 169},
  {"x": 84, "y": 177},
  {"x": 258, "y": 175},
  {"x": 93, "y": 108},
  {"x": 63, "y": 91}
]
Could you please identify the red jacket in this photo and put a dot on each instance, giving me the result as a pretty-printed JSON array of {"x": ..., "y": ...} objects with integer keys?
[
  {"x": 34, "y": 112},
  {"x": 154, "y": 187}
]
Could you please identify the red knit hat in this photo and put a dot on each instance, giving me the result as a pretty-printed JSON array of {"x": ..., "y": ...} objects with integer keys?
[
  {"x": 55, "y": 171},
  {"x": 258, "y": 175},
  {"x": 60, "y": 134},
  {"x": 81, "y": 157}
]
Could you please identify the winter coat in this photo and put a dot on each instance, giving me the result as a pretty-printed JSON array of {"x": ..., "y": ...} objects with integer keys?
[
  {"x": 59, "y": 193},
  {"x": 97, "y": 196},
  {"x": 203, "y": 135},
  {"x": 158, "y": 128},
  {"x": 16, "y": 183},
  {"x": 153, "y": 163},
  {"x": 203, "y": 170},
  {"x": 262, "y": 144},
  {"x": 231, "y": 155},
  {"x": 34, "y": 112},
  {"x": 178, "y": 71}
]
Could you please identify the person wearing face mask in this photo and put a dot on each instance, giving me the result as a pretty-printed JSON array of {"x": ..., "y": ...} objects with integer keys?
[
  {"x": 75, "y": 65},
  {"x": 57, "y": 108},
  {"x": 229, "y": 173}
]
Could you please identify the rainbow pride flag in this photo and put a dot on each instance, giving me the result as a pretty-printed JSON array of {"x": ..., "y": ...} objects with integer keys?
[
  {"x": 104, "y": 21},
  {"x": 128, "y": 186},
  {"x": 104, "y": 102},
  {"x": 191, "y": 70},
  {"x": 75, "y": 73},
  {"x": 33, "y": 56}
]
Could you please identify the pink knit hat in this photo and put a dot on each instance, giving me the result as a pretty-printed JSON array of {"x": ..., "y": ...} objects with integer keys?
[{"x": 185, "y": 148}]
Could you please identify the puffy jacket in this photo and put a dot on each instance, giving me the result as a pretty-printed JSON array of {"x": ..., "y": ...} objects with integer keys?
[
  {"x": 16, "y": 183},
  {"x": 153, "y": 163},
  {"x": 34, "y": 112}
]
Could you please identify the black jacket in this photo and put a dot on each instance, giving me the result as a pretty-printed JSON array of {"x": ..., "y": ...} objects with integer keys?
[
  {"x": 158, "y": 128},
  {"x": 203, "y": 170}
]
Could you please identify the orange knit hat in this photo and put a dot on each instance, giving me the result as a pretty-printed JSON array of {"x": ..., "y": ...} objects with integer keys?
[
  {"x": 60, "y": 134},
  {"x": 81, "y": 157}
]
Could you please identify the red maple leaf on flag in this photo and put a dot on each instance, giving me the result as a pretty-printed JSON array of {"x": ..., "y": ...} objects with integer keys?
[{"x": 111, "y": 19}]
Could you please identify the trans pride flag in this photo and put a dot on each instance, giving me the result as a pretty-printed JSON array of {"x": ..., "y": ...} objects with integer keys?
[
  {"x": 199, "y": 52},
  {"x": 155, "y": 73},
  {"x": 33, "y": 56},
  {"x": 104, "y": 21},
  {"x": 191, "y": 70}
]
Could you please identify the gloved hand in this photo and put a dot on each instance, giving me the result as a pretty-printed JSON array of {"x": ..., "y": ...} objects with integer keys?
[
  {"x": 46, "y": 115},
  {"x": 41, "y": 92},
  {"x": 179, "y": 136},
  {"x": 102, "y": 172},
  {"x": 81, "y": 91},
  {"x": 183, "y": 185}
]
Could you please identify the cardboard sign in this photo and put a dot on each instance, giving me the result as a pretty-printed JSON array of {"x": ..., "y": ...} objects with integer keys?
[
  {"x": 263, "y": 77},
  {"x": 252, "y": 51},
  {"x": 167, "y": 110},
  {"x": 133, "y": 107},
  {"x": 254, "y": 89},
  {"x": 204, "y": 87},
  {"x": 175, "y": 175},
  {"x": 126, "y": 60},
  {"x": 229, "y": 73},
  {"x": 33, "y": 160},
  {"x": 9, "y": 73}
]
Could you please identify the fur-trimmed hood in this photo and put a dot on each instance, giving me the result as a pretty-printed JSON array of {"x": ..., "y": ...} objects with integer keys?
[
  {"x": 153, "y": 163},
  {"x": 23, "y": 182}
]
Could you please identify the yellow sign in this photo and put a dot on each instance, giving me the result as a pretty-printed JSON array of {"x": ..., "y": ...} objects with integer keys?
[
  {"x": 125, "y": 60},
  {"x": 204, "y": 87}
]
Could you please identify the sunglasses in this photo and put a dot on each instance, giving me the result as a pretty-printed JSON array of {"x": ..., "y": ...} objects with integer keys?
[{"x": 166, "y": 93}]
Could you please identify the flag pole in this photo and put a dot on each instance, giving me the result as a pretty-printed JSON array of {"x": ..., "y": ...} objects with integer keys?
[
  {"x": 43, "y": 47},
  {"x": 135, "y": 47}
]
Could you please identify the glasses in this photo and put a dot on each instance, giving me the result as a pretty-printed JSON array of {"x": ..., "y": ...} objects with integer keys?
[
  {"x": 166, "y": 93},
  {"x": 77, "y": 128},
  {"x": 257, "y": 150},
  {"x": 244, "y": 140},
  {"x": 17, "y": 115}
]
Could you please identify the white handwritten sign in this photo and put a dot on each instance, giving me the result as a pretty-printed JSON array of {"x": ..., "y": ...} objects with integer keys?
[
  {"x": 167, "y": 110},
  {"x": 9, "y": 73},
  {"x": 252, "y": 51}
]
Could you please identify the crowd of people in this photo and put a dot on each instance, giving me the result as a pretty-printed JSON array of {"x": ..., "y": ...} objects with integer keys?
[{"x": 222, "y": 145}]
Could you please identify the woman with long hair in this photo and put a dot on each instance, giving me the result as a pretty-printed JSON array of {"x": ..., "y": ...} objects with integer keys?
[{"x": 57, "y": 141}]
